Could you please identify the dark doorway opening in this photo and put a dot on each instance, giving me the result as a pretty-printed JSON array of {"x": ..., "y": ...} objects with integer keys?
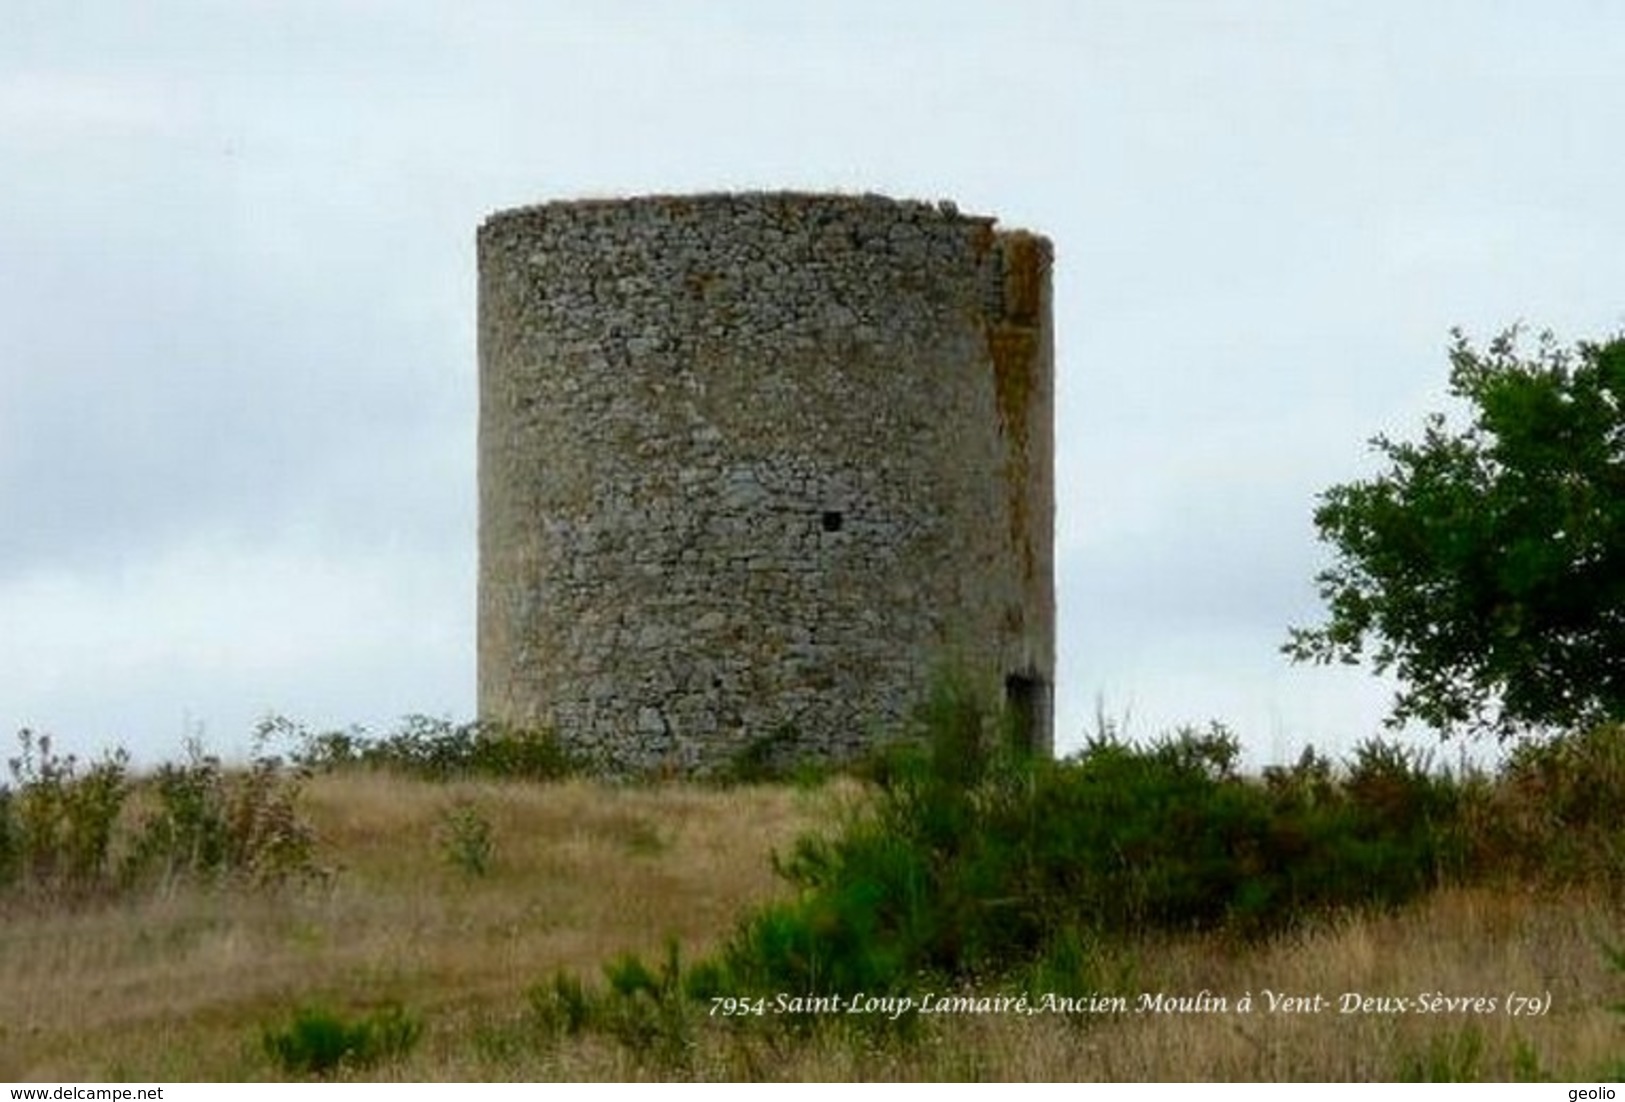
[{"x": 1026, "y": 703}]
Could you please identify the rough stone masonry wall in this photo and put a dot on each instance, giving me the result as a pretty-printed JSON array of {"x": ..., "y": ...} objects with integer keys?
[{"x": 753, "y": 466}]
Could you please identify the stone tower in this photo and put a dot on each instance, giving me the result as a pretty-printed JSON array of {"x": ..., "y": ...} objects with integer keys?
[{"x": 753, "y": 467}]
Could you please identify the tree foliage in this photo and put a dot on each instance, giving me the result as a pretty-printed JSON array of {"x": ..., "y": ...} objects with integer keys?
[{"x": 1486, "y": 567}]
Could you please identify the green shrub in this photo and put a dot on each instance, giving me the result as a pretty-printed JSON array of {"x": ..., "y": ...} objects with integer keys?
[
  {"x": 977, "y": 861},
  {"x": 465, "y": 839},
  {"x": 188, "y": 831},
  {"x": 319, "y": 1042},
  {"x": 209, "y": 822},
  {"x": 1557, "y": 810},
  {"x": 436, "y": 749},
  {"x": 269, "y": 841},
  {"x": 59, "y": 820},
  {"x": 1384, "y": 832},
  {"x": 1077, "y": 964},
  {"x": 562, "y": 1006},
  {"x": 73, "y": 831},
  {"x": 766, "y": 758},
  {"x": 648, "y": 1011},
  {"x": 975, "y": 865},
  {"x": 10, "y": 842}
]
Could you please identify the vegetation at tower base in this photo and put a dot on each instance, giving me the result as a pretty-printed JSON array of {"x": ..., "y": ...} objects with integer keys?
[
  {"x": 437, "y": 749},
  {"x": 973, "y": 863},
  {"x": 71, "y": 829},
  {"x": 977, "y": 867},
  {"x": 476, "y": 927},
  {"x": 1486, "y": 567}
]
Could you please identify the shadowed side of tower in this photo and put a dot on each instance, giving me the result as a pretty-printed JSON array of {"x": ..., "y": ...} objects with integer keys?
[{"x": 754, "y": 466}]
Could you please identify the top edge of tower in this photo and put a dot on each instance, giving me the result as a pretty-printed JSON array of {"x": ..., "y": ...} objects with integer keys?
[{"x": 719, "y": 203}]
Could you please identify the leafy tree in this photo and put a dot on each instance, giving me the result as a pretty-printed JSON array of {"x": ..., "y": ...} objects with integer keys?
[{"x": 1486, "y": 567}]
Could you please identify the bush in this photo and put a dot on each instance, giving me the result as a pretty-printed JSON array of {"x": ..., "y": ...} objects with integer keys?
[
  {"x": 436, "y": 749},
  {"x": 319, "y": 1042},
  {"x": 562, "y": 1006},
  {"x": 58, "y": 820},
  {"x": 1559, "y": 809},
  {"x": 210, "y": 822},
  {"x": 465, "y": 839},
  {"x": 976, "y": 861},
  {"x": 72, "y": 831},
  {"x": 976, "y": 866},
  {"x": 646, "y": 1010}
]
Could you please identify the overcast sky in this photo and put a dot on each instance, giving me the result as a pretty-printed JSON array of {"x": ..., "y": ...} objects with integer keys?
[{"x": 237, "y": 303}]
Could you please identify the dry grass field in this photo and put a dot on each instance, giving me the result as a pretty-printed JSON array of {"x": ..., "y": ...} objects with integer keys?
[
  {"x": 453, "y": 900},
  {"x": 178, "y": 985}
]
